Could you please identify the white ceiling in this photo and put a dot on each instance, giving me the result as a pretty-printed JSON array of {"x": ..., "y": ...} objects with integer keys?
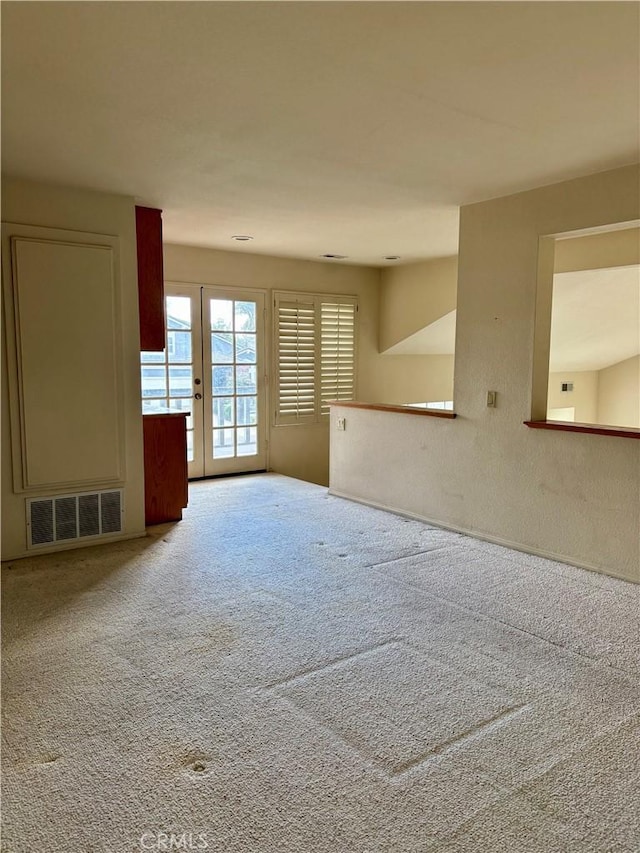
[
  {"x": 355, "y": 128},
  {"x": 595, "y": 321}
]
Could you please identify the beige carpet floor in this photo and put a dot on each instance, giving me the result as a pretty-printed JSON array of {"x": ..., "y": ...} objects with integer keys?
[{"x": 287, "y": 671}]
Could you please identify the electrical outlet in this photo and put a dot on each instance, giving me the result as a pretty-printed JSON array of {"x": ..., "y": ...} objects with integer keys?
[
  {"x": 492, "y": 399},
  {"x": 342, "y": 423}
]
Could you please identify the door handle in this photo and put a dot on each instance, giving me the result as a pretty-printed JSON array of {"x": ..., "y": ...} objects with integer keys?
[{"x": 198, "y": 396}]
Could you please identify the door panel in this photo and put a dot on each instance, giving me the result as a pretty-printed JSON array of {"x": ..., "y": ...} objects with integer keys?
[
  {"x": 235, "y": 414},
  {"x": 184, "y": 345},
  {"x": 213, "y": 367},
  {"x": 168, "y": 378}
]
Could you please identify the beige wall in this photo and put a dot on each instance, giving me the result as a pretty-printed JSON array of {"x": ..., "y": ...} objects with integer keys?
[
  {"x": 584, "y": 397},
  {"x": 54, "y": 207},
  {"x": 609, "y": 396},
  {"x": 619, "y": 393},
  {"x": 412, "y": 378},
  {"x": 299, "y": 450},
  {"x": 617, "y": 248},
  {"x": 413, "y": 296},
  {"x": 569, "y": 495}
]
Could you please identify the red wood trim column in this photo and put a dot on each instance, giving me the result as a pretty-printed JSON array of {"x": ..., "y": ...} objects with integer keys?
[{"x": 150, "y": 278}]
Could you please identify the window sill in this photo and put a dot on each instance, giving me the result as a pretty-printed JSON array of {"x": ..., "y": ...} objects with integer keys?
[
  {"x": 403, "y": 410},
  {"x": 593, "y": 429}
]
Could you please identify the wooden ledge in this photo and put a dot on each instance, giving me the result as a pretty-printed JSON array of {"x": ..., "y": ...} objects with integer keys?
[
  {"x": 167, "y": 413},
  {"x": 403, "y": 410},
  {"x": 593, "y": 429}
]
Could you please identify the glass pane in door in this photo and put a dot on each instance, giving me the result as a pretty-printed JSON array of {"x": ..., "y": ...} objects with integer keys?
[
  {"x": 179, "y": 312},
  {"x": 234, "y": 377},
  {"x": 223, "y": 444}
]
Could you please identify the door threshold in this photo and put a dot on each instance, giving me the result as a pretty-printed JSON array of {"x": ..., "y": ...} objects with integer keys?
[{"x": 224, "y": 476}]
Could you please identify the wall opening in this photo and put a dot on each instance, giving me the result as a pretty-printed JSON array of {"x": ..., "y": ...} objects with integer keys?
[{"x": 588, "y": 328}]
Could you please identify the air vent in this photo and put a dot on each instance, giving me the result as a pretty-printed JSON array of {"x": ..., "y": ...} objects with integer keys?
[{"x": 66, "y": 518}]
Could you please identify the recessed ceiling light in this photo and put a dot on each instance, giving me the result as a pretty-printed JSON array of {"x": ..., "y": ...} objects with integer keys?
[
  {"x": 392, "y": 257},
  {"x": 335, "y": 257},
  {"x": 241, "y": 237}
]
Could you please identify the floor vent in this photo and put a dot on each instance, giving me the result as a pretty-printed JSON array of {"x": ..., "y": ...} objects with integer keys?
[{"x": 65, "y": 518}]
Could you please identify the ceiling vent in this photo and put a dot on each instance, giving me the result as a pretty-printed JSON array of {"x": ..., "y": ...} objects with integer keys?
[{"x": 66, "y": 518}]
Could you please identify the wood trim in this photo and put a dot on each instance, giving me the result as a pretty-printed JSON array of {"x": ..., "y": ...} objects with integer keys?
[
  {"x": 402, "y": 410},
  {"x": 593, "y": 429},
  {"x": 150, "y": 278}
]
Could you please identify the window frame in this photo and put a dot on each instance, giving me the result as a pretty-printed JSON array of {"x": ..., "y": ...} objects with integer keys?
[{"x": 316, "y": 301}]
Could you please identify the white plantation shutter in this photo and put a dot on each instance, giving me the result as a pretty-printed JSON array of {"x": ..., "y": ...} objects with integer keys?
[
  {"x": 295, "y": 361},
  {"x": 337, "y": 362},
  {"x": 315, "y": 338}
]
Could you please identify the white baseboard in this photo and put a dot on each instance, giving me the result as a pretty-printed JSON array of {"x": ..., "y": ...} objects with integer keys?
[
  {"x": 485, "y": 537},
  {"x": 73, "y": 546}
]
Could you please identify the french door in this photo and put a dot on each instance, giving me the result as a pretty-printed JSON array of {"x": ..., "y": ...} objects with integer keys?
[{"x": 214, "y": 368}]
